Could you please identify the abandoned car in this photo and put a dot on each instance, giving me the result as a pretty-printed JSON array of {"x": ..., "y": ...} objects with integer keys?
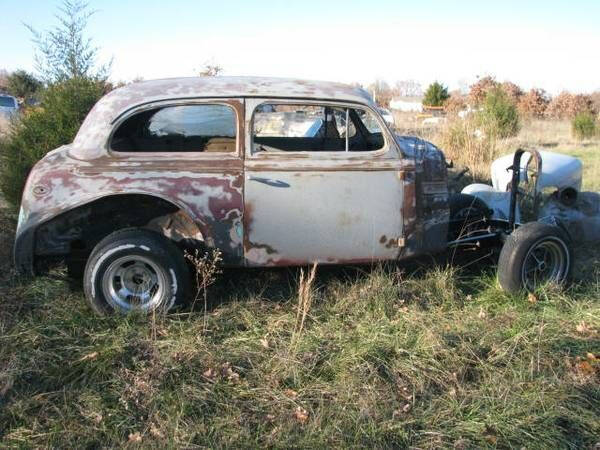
[{"x": 271, "y": 172}]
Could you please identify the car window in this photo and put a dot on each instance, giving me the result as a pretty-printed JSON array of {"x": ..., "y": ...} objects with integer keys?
[
  {"x": 312, "y": 128},
  {"x": 7, "y": 102},
  {"x": 369, "y": 121},
  {"x": 185, "y": 128}
]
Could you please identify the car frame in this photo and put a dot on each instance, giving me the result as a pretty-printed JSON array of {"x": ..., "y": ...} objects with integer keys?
[{"x": 122, "y": 220}]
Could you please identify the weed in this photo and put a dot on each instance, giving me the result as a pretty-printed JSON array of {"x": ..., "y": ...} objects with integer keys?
[
  {"x": 305, "y": 300},
  {"x": 206, "y": 266}
]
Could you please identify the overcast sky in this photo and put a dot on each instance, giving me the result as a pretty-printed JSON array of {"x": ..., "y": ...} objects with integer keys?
[{"x": 550, "y": 44}]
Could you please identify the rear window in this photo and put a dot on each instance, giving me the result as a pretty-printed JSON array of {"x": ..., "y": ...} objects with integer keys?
[
  {"x": 185, "y": 128},
  {"x": 7, "y": 102}
]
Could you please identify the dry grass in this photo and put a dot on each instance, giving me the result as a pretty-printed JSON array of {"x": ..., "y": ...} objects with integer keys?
[{"x": 458, "y": 139}]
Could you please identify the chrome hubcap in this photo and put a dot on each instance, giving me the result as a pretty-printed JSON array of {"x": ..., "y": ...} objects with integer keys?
[
  {"x": 134, "y": 282},
  {"x": 546, "y": 262}
]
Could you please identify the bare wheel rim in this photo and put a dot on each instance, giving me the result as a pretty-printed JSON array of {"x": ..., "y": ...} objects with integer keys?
[
  {"x": 134, "y": 282},
  {"x": 547, "y": 261}
]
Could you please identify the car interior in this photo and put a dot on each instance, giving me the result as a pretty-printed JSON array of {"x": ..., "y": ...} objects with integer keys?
[
  {"x": 136, "y": 134},
  {"x": 326, "y": 138}
]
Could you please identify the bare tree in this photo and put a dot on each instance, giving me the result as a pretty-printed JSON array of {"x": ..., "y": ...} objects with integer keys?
[
  {"x": 64, "y": 52},
  {"x": 408, "y": 88},
  {"x": 210, "y": 70},
  {"x": 381, "y": 92}
]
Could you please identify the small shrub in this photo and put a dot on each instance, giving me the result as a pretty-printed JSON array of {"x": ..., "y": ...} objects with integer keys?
[
  {"x": 512, "y": 91},
  {"x": 436, "y": 94},
  {"x": 498, "y": 116},
  {"x": 534, "y": 103},
  {"x": 455, "y": 104},
  {"x": 464, "y": 142},
  {"x": 566, "y": 105},
  {"x": 64, "y": 106},
  {"x": 480, "y": 89},
  {"x": 583, "y": 126}
]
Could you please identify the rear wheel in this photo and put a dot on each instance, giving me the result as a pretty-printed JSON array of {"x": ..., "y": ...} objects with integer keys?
[
  {"x": 135, "y": 270},
  {"x": 533, "y": 255}
]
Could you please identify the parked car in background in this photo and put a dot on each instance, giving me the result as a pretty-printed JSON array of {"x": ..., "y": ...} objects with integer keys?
[
  {"x": 269, "y": 172},
  {"x": 9, "y": 106},
  {"x": 387, "y": 115}
]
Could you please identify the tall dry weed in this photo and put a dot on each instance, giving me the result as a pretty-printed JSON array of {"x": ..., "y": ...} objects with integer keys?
[
  {"x": 305, "y": 299},
  {"x": 465, "y": 142}
]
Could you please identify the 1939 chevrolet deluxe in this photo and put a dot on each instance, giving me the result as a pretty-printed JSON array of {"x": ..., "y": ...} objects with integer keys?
[{"x": 272, "y": 172}]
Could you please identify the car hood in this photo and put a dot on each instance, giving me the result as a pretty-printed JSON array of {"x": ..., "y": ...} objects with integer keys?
[{"x": 418, "y": 149}]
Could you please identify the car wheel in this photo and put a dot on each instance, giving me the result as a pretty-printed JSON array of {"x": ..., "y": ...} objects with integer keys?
[
  {"x": 468, "y": 215},
  {"x": 533, "y": 255},
  {"x": 135, "y": 270}
]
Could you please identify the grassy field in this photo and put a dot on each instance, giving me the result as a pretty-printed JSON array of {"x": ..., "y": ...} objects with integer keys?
[{"x": 426, "y": 355}]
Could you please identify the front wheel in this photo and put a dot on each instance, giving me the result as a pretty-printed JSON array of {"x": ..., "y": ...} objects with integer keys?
[
  {"x": 135, "y": 270},
  {"x": 533, "y": 255}
]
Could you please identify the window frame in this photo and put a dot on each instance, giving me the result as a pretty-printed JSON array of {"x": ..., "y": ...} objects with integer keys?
[
  {"x": 387, "y": 145},
  {"x": 239, "y": 130}
]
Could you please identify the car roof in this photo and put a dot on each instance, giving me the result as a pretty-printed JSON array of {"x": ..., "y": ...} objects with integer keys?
[
  {"x": 210, "y": 87},
  {"x": 96, "y": 127}
]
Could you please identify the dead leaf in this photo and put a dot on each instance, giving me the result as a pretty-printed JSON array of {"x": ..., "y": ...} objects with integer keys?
[
  {"x": 582, "y": 327},
  {"x": 135, "y": 437},
  {"x": 210, "y": 374},
  {"x": 301, "y": 414},
  {"x": 7, "y": 385},
  {"x": 162, "y": 331},
  {"x": 532, "y": 298},
  {"x": 290, "y": 393},
  {"x": 154, "y": 431},
  {"x": 590, "y": 356},
  {"x": 229, "y": 373},
  {"x": 585, "y": 368},
  {"x": 89, "y": 356},
  {"x": 264, "y": 342},
  {"x": 401, "y": 411},
  {"x": 490, "y": 435}
]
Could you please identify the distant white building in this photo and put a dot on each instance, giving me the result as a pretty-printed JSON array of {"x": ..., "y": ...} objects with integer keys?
[{"x": 407, "y": 104}]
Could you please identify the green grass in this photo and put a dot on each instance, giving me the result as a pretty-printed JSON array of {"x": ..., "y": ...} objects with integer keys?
[{"x": 424, "y": 356}]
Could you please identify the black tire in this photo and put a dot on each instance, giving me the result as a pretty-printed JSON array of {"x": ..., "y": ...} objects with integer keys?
[
  {"x": 468, "y": 215},
  {"x": 533, "y": 255},
  {"x": 130, "y": 266}
]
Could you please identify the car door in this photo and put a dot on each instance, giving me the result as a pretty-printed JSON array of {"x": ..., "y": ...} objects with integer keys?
[{"x": 319, "y": 187}]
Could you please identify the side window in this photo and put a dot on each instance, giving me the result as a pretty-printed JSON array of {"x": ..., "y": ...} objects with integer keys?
[
  {"x": 369, "y": 121},
  {"x": 313, "y": 128},
  {"x": 185, "y": 128}
]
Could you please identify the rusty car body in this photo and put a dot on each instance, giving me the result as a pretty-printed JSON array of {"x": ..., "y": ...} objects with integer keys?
[{"x": 358, "y": 195}]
